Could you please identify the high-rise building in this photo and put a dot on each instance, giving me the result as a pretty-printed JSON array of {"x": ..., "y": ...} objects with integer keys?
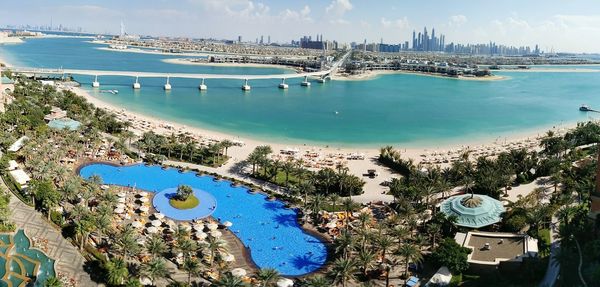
[
  {"x": 262, "y": 39},
  {"x": 269, "y": 39},
  {"x": 239, "y": 39}
]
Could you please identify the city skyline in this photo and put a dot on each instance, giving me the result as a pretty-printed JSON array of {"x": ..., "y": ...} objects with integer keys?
[{"x": 346, "y": 21}]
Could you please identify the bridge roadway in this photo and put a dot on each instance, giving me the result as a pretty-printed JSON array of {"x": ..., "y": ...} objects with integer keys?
[{"x": 98, "y": 73}]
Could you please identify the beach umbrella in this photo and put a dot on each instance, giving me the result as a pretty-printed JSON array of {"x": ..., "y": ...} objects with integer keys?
[
  {"x": 227, "y": 224},
  {"x": 121, "y": 194},
  {"x": 238, "y": 272},
  {"x": 201, "y": 235},
  {"x": 216, "y": 234},
  {"x": 151, "y": 229},
  {"x": 285, "y": 282},
  {"x": 121, "y": 200},
  {"x": 171, "y": 223},
  {"x": 198, "y": 226},
  {"x": 143, "y": 194},
  {"x": 331, "y": 225},
  {"x": 159, "y": 215},
  {"x": 212, "y": 226},
  {"x": 143, "y": 199},
  {"x": 121, "y": 205},
  {"x": 136, "y": 224},
  {"x": 144, "y": 208},
  {"x": 156, "y": 222},
  {"x": 185, "y": 226},
  {"x": 141, "y": 241},
  {"x": 228, "y": 258},
  {"x": 104, "y": 187},
  {"x": 119, "y": 210}
]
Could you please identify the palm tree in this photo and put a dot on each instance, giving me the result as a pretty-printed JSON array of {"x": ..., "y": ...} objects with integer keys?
[
  {"x": 156, "y": 245},
  {"x": 228, "y": 280},
  {"x": 267, "y": 276},
  {"x": 117, "y": 271},
  {"x": 305, "y": 188},
  {"x": 410, "y": 253},
  {"x": 288, "y": 167},
  {"x": 53, "y": 282},
  {"x": 383, "y": 243},
  {"x": 365, "y": 259},
  {"x": 334, "y": 198},
  {"x": 343, "y": 244},
  {"x": 186, "y": 246},
  {"x": 226, "y": 144},
  {"x": 83, "y": 228},
  {"x": 192, "y": 266},
  {"x": 214, "y": 245},
  {"x": 155, "y": 269},
  {"x": 342, "y": 271},
  {"x": 317, "y": 281}
]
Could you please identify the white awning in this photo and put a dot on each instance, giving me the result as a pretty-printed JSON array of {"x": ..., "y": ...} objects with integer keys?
[{"x": 20, "y": 176}]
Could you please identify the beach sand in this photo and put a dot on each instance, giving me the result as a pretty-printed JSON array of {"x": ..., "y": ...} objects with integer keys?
[
  {"x": 248, "y": 65},
  {"x": 373, "y": 190},
  {"x": 368, "y": 75}
]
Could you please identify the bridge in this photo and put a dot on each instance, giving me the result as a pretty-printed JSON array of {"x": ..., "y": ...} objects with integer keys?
[{"x": 321, "y": 75}]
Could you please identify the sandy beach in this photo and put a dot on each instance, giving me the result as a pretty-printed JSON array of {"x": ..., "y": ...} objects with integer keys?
[
  {"x": 248, "y": 65},
  {"x": 369, "y": 75},
  {"x": 373, "y": 190},
  {"x": 442, "y": 153},
  {"x": 10, "y": 40}
]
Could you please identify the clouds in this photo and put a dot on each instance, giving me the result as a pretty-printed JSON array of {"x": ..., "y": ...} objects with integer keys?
[
  {"x": 291, "y": 15},
  {"x": 401, "y": 23},
  {"x": 339, "y": 7},
  {"x": 336, "y": 10},
  {"x": 457, "y": 20}
]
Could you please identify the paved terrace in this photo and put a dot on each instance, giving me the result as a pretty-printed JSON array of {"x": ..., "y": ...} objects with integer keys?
[{"x": 68, "y": 259}]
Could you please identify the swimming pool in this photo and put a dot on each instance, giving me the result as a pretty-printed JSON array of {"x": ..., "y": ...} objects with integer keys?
[
  {"x": 267, "y": 228},
  {"x": 24, "y": 263}
]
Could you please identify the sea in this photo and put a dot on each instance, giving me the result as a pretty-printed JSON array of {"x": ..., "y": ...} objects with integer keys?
[{"x": 400, "y": 109}]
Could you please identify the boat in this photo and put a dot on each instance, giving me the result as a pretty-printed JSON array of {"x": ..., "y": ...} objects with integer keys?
[
  {"x": 114, "y": 92},
  {"x": 585, "y": 108}
]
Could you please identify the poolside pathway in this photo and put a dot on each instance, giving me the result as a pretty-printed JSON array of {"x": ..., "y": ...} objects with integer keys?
[{"x": 68, "y": 259}]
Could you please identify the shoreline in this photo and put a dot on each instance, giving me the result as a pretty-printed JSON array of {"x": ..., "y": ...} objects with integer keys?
[
  {"x": 180, "y": 61},
  {"x": 373, "y": 74}
]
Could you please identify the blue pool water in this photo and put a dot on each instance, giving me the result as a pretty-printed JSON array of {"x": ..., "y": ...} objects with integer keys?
[
  {"x": 270, "y": 230},
  {"x": 206, "y": 206}
]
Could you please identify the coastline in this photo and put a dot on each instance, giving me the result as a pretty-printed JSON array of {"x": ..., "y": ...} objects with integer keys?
[
  {"x": 372, "y": 74},
  {"x": 179, "y": 61},
  {"x": 373, "y": 190}
]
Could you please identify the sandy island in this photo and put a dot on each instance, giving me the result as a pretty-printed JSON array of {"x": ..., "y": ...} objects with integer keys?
[
  {"x": 248, "y": 65},
  {"x": 369, "y": 75}
]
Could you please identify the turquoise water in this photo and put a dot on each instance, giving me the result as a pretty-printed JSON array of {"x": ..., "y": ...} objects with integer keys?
[
  {"x": 269, "y": 230},
  {"x": 206, "y": 206},
  {"x": 410, "y": 110}
]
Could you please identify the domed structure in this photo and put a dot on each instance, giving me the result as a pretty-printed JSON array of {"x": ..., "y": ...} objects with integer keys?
[{"x": 473, "y": 211}]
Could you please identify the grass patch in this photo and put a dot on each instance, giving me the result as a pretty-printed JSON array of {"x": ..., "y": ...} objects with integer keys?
[{"x": 191, "y": 202}]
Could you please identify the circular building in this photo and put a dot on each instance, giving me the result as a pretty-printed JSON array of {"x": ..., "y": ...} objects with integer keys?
[{"x": 474, "y": 211}]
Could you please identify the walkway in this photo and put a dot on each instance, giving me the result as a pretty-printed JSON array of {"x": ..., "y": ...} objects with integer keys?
[
  {"x": 553, "y": 266},
  {"x": 68, "y": 259}
]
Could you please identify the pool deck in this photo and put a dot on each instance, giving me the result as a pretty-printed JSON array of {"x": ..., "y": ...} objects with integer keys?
[{"x": 68, "y": 259}]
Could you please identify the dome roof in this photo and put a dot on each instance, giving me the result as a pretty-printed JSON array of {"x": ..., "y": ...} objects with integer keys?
[{"x": 476, "y": 212}]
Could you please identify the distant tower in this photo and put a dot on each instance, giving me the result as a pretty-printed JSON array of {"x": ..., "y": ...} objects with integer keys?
[
  {"x": 269, "y": 39},
  {"x": 122, "y": 29}
]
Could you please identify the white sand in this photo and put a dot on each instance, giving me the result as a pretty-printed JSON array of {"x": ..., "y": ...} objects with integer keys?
[
  {"x": 368, "y": 75},
  {"x": 249, "y": 65},
  {"x": 373, "y": 189}
]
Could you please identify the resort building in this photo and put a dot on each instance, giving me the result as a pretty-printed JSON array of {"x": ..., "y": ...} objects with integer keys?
[
  {"x": 473, "y": 211},
  {"x": 15, "y": 147},
  {"x": 57, "y": 119},
  {"x": 497, "y": 250}
]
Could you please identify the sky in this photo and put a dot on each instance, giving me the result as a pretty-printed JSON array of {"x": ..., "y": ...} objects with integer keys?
[{"x": 558, "y": 25}]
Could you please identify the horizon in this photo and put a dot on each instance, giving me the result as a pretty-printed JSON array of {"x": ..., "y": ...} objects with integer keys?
[{"x": 345, "y": 21}]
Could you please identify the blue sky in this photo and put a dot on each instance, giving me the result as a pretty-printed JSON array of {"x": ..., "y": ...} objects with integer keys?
[{"x": 562, "y": 25}]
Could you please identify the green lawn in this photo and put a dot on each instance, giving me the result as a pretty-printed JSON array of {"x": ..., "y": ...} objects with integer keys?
[{"x": 189, "y": 203}]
